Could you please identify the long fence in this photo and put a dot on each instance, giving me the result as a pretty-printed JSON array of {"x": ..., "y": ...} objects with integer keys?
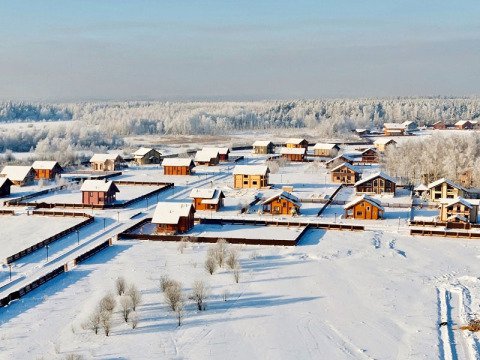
[
  {"x": 19, "y": 200},
  {"x": 445, "y": 233},
  {"x": 330, "y": 200}
]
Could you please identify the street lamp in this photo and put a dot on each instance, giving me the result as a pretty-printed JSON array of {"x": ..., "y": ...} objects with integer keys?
[
  {"x": 10, "y": 267},
  {"x": 78, "y": 237},
  {"x": 46, "y": 246}
]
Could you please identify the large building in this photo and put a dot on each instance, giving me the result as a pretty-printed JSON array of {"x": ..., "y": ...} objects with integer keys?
[
  {"x": 207, "y": 199},
  {"x": 364, "y": 208},
  {"x": 173, "y": 217},
  {"x": 283, "y": 203},
  {"x": 250, "y": 176},
  {"x": 378, "y": 183},
  {"x": 19, "y": 175},
  {"x": 177, "y": 166},
  {"x": 145, "y": 156},
  {"x": 98, "y": 192},
  {"x": 47, "y": 170}
]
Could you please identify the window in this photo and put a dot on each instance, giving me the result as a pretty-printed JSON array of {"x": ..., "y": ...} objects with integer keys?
[
  {"x": 254, "y": 182},
  {"x": 359, "y": 213},
  {"x": 245, "y": 182}
]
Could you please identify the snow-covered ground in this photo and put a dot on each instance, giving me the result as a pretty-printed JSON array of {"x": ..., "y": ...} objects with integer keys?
[{"x": 338, "y": 295}]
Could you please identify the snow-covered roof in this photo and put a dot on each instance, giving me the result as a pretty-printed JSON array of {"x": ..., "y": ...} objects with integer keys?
[
  {"x": 340, "y": 157},
  {"x": 170, "y": 212},
  {"x": 369, "y": 149},
  {"x": 366, "y": 198},
  {"x": 421, "y": 187},
  {"x": 383, "y": 141},
  {"x": 250, "y": 170},
  {"x": 4, "y": 180},
  {"x": 99, "y": 185},
  {"x": 325, "y": 146},
  {"x": 295, "y": 151},
  {"x": 44, "y": 165},
  {"x": 373, "y": 176},
  {"x": 449, "y": 182},
  {"x": 393, "y": 126},
  {"x": 208, "y": 196},
  {"x": 457, "y": 217},
  {"x": 408, "y": 123},
  {"x": 459, "y": 199},
  {"x": 177, "y": 162},
  {"x": 347, "y": 165},
  {"x": 220, "y": 150},
  {"x": 462, "y": 122},
  {"x": 143, "y": 151},
  {"x": 284, "y": 195},
  {"x": 295, "y": 141},
  {"x": 16, "y": 172},
  {"x": 206, "y": 155},
  {"x": 105, "y": 157},
  {"x": 262, "y": 143}
]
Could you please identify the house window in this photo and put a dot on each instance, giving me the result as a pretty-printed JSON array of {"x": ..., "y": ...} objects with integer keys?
[
  {"x": 245, "y": 182},
  {"x": 359, "y": 213},
  {"x": 254, "y": 182}
]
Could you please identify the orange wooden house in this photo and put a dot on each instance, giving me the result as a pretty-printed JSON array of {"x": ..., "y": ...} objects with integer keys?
[
  {"x": 345, "y": 174},
  {"x": 19, "y": 175},
  {"x": 46, "y": 169},
  {"x": 173, "y": 217},
  {"x": 207, "y": 199},
  {"x": 293, "y": 154},
  {"x": 439, "y": 125},
  {"x": 98, "y": 192},
  {"x": 364, "y": 208},
  {"x": 464, "y": 125},
  {"x": 177, "y": 166},
  {"x": 283, "y": 203},
  {"x": 297, "y": 143}
]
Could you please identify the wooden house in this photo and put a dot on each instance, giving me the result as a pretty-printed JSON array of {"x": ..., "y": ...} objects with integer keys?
[
  {"x": 340, "y": 159},
  {"x": 293, "y": 154},
  {"x": 207, "y": 156},
  {"x": 439, "y": 125},
  {"x": 345, "y": 174},
  {"x": 223, "y": 153},
  {"x": 19, "y": 175},
  {"x": 364, "y": 208},
  {"x": 98, "y": 192},
  {"x": 173, "y": 217},
  {"x": 106, "y": 162},
  {"x": 5, "y": 185},
  {"x": 263, "y": 147},
  {"x": 464, "y": 125},
  {"x": 207, "y": 199},
  {"x": 369, "y": 155},
  {"x": 458, "y": 210},
  {"x": 378, "y": 183},
  {"x": 446, "y": 189},
  {"x": 46, "y": 169},
  {"x": 250, "y": 176},
  {"x": 282, "y": 203},
  {"x": 146, "y": 156},
  {"x": 297, "y": 143},
  {"x": 410, "y": 126},
  {"x": 326, "y": 150},
  {"x": 393, "y": 129},
  {"x": 382, "y": 144},
  {"x": 177, "y": 166}
]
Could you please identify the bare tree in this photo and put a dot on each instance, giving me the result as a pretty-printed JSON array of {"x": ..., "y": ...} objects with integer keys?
[
  {"x": 173, "y": 295},
  {"x": 221, "y": 250},
  {"x": 108, "y": 303},
  {"x": 126, "y": 306},
  {"x": 236, "y": 273},
  {"x": 120, "y": 285},
  {"x": 182, "y": 245},
  {"x": 233, "y": 258},
  {"x": 199, "y": 294},
  {"x": 106, "y": 321},
  {"x": 179, "y": 311},
  {"x": 165, "y": 282},
  {"x": 134, "y": 319},
  {"x": 210, "y": 264},
  {"x": 93, "y": 321},
  {"x": 135, "y": 296}
]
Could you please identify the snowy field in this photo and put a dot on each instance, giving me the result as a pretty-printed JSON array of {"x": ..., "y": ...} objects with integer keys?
[
  {"x": 21, "y": 231},
  {"x": 338, "y": 295}
]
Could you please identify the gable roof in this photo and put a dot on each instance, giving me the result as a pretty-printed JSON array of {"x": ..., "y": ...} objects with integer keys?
[
  {"x": 177, "y": 162},
  {"x": 284, "y": 195},
  {"x": 206, "y": 155},
  {"x": 420, "y": 187},
  {"x": 366, "y": 198},
  {"x": 208, "y": 196},
  {"x": 373, "y": 176},
  {"x": 449, "y": 182},
  {"x": 462, "y": 122},
  {"x": 105, "y": 157},
  {"x": 325, "y": 146},
  {"x": 369, "y": 149},
  {"x": 171, "y": 212},
  {"x": 459, "y": 199},
  {"x": 220, "y": 150},
  {"x": 44, "y": 165},
  {"x": 295, "y": 141},
  {"x": 99, "y": 185},
  {"x": 408, "y": 122},
  {"x": 144, "y": 151},
  {"x": 16, "y": 172},
  {"x": 394, "y": 126},
  {"x": 5, "y": 181},
  {"x": 262, "y": 143},
  {"x": 347, "y": 165},
  {"x": 251, "y": 170},
  {"x": 295, "y": 151},
  {"x": 383, "y": 141},
  {"x": 339, "y": 157}
]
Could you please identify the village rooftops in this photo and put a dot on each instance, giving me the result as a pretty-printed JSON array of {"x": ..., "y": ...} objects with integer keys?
[
  {"x": 366, "y": 198},
  {"x": 105, "y": 157},
  {"x": 170, "y": 212},
  {"x": 373, "y": 176},
  {"x": 348, "y": 166},
  {"x": 325, "y": 146},
  {"x": 449, "y": 182},
  {"x": 16, "y": 172},
  {"x": 262, "y": 143},
  {"x": 295, "y": 151},
  {"x": 99, "y": 186},
  {"x": 250, "y": 170},
  {"x": 284, "y": 195},
  {"x": 142, "y": 151},
  {"x": 44, "y": 165},
  {"x": 177, "y": 162}
]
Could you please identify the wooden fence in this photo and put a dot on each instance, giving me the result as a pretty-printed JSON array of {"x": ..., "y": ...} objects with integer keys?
[
  {"x": 445, "y": 233},
  {"x": 19, "y": 200},
  {"x": 7, "y": 212},
  {"x": 330, "y": 200},
  {"x": 81, "y": 258}
]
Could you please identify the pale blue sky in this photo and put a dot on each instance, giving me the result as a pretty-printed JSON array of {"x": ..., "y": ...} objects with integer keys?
[{"x": 118, "y": 49}]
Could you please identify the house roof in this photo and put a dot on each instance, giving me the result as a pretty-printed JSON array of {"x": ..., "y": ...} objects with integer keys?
[
  {"x": 295, "y": 141},
  {"x": 250, "y": 170},
  {"x": 105, "y": 157},
  {"x": 325, "y": 146},
  {"x": 99, "y": 185},
  {"x": 208, "y": 196},
  {"x": 171, "y": 212},
  {"x": 262, "y": 143},
  {"x": 295, "y": 151},
  {"x": 366, "y": 198},
  {"x": 408, "y": 122},
  {"x": 383, "y": 141},
  {"x": 5, "y": 180},
  {"x": 373, "y": 176},
  {"x": 221, "y": 150},
  {"x": 459, "y": 199},
  {"x": 206, "y": 155},
  {"x": 348, "y": 165},
  {"x": 394, "y": 126},
  {"x": 44, "y": 165},
  {"x": 143, "y": 151},
  {"x": 284, "y": 195},
  {"x": 457, "y": 217},
  {"x": 369, "y": 149},
  {"x": 421, "y": 187},
  {"x": 16, "y": 172},
  {"x": 449, "y": 182},
  {"x": 177, "y": 162},
  {"x": 342, "y": 156},
  {"x": 462, "y": 122}
]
